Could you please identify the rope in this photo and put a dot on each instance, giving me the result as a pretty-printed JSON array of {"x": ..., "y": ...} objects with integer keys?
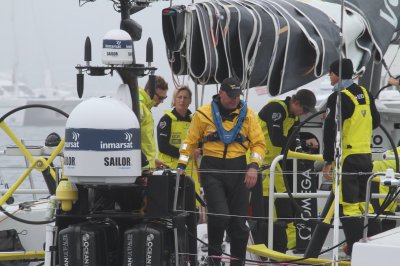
[
  {"x": 265, "y": 217},
  {"x": 245, "y": 171}
]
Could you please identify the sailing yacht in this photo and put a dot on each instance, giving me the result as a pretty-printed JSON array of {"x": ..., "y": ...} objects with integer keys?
[
  {"x": 14, "y": 94},
  {"x": 64, "y": 216}
]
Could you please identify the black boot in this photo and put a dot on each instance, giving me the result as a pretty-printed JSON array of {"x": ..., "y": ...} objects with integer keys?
[
  {"x": 353, "y": 230},
  {"x": 280, "y": 237},
  {"x": 215, "y": 238}
]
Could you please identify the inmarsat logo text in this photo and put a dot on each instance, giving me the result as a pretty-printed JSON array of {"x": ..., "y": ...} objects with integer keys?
[
  {"x": 118, "y": 145},
  {"x": 75, "y": 142}
]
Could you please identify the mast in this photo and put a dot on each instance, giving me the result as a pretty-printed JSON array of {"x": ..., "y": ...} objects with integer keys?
[
  {"x": 128, "y": 73},
  {"x": 127, "y": 76},
  {"x": 14, "y": 80}
]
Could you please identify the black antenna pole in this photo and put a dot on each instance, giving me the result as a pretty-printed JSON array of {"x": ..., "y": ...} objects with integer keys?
[
  {"x": 127, "y": 76},
  {"x": 149, "y": 60}
]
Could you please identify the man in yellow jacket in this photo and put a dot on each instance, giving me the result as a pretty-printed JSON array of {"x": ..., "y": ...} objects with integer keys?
[
  {"x": 227, "y": 129},
  {"x": 278, "y": 118},
  {"x": 359, "y": 117},
  {"x": 148, "y": 99}
]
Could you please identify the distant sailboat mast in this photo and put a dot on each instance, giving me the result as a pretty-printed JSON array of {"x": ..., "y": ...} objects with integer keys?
[{"x": 16, "y": 49}]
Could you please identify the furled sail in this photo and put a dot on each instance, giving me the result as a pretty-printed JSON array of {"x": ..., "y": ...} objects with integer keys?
[{"x": 281, "y": 44}]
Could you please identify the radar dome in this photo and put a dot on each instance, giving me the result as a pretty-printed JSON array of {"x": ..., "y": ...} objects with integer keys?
[
  {"x": 117, "y": 48},
  {"x": 102, "y": 143}
]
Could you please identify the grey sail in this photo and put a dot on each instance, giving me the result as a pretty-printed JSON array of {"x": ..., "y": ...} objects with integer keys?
[
  {"x": 281, "y": 44},
  {"x": 265, "y": 43},
  {"x": 302, "y": 55},
  {"x": 379, "y": 15}
]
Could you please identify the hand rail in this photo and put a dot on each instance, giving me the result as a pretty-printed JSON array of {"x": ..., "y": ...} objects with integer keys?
[{"x": 273, "y": 195}]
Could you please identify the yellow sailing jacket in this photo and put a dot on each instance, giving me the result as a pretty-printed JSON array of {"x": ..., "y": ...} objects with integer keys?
[
  {"x": 357, "y": 130},
  {"x": 273, "y": 151},
  {"x": 148, "y": 144},
  {"x": 203, "y": 125},
  {"x": 178, "y": 134}
]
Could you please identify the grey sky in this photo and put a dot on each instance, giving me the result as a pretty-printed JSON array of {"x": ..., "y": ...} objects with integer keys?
[{"x": 47, "y": 34}]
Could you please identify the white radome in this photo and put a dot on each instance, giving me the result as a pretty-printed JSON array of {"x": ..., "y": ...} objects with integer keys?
[{"x": 102, "y": 143}]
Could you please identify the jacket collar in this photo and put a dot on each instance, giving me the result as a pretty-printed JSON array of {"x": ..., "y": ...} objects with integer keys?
[
  {"x": 216, "y": 98},
  {"x": 345, "y": 84},
  {"x": 145, "y": 98}
]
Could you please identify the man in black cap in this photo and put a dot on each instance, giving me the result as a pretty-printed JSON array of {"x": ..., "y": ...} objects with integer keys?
[
  {"x": 359, "y": 118},
  {"x": 278, "y": 118},
  {"x": 227, "y": 128}
]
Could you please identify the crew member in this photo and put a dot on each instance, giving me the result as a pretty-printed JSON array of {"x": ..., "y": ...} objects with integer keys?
[
  {"x": 172, "y": 130},
  {"x": 150, "y": 97},
  {"x": 278, "y": 119},
  {"x": 227, "y": 128},
  {"x": 359, "y": 118}
]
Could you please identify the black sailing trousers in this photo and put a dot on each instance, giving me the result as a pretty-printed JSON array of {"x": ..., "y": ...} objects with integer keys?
[
  {"x": 354, "y": 184},
  {"x": 226, "y": 194}
]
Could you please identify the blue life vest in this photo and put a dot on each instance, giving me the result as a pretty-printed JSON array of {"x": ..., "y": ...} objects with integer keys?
[{"x": 228, "y": 136}]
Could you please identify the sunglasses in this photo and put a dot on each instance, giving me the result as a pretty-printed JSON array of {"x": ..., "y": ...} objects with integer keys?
[{"x": 161, "y": 98}]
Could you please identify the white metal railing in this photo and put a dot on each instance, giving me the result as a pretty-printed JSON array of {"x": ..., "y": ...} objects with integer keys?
[{"x": 274, "y": 195}]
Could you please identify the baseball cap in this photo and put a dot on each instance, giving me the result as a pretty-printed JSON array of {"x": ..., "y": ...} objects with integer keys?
[
  {"x": 347, "y": 68},
  {"x": 232, "y": 87},
  {"x": 307, "y": 100}
]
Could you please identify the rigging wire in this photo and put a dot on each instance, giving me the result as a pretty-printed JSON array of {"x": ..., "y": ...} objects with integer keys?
[
  {"x": 387, "y": 68},
  {"x": 338, "y": 141}
]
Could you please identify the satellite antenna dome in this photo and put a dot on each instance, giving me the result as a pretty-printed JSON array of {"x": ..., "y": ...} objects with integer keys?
[{"x": 117, "y": 48}]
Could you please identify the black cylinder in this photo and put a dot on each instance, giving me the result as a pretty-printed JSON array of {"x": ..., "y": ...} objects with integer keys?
[
  {"x": 88, "y": 50},
  {"x": 79, "y": 84},
  {"x": 149, "y": 50},
  {"x": 152, "y": 85}
]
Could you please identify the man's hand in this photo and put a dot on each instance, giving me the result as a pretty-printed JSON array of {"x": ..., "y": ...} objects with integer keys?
[
  {"x": 196, "y": 153},
  {"x": 251, "y": 177},
  {"x": 326, "y": 171},
  {"x": 393, "y": 82}
]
